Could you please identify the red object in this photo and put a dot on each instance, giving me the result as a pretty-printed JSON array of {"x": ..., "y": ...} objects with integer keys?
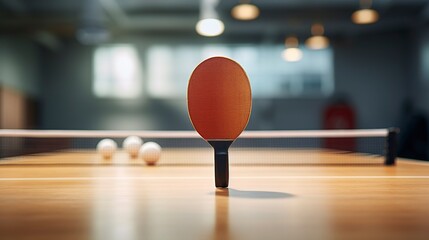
[
  {"x": 339, "y": 116},
  {"x": 219, "y": 99}
]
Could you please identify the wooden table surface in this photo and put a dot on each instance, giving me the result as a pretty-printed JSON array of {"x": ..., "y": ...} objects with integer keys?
[{"x": 273, "y": 194}]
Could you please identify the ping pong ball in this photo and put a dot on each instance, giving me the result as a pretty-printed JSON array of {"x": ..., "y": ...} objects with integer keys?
[
  {"x": 132, "y": 145},
  {"x": 150, "y": 152},
  {"x": 107, "y": 147}
]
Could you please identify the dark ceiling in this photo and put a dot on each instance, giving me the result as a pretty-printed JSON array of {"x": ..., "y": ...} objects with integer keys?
[{"x": 169, "y": 17}]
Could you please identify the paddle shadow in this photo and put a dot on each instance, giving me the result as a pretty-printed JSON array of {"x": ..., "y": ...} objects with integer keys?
[{"x": 235, "y": 193}]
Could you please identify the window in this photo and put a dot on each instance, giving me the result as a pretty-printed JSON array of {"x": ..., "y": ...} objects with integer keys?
[
  {"x": 169, "y": 69},
  {"x": 117, "y": 72}
]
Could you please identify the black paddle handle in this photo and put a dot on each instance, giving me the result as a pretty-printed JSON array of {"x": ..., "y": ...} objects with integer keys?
[{"x": 221, "y": 162}]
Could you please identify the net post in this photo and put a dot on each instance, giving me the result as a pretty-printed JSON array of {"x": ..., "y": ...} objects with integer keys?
[{"x": 391, "y": 146}]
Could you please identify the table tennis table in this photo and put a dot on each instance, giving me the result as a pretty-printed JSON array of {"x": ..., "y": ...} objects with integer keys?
[{"x": 79, "y": 195}]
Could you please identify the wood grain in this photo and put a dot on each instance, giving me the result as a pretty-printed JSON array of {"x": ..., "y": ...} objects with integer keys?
[{"x": 77, "y": 196}]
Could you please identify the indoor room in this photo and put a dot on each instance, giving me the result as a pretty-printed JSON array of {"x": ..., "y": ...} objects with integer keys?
[{"x": 214, "y": 119}]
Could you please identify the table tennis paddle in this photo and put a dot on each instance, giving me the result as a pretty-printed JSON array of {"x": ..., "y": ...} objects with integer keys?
[{"x": 219, "y": 106}]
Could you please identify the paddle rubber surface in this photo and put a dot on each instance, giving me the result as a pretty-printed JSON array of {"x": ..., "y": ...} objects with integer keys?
[{"x": 219, "y": 99}]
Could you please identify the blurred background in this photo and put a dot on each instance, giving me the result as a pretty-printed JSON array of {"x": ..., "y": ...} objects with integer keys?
[{"x": 125, "y": 64}]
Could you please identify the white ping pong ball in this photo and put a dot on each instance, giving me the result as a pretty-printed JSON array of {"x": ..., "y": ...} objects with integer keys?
[
  {"x": 150, "y": 152},
  {"x": 107, "y": 147},
  {"x": 132, "y": 145}
]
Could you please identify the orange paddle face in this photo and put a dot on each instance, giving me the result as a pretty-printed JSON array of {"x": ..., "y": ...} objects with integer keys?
[
  {"x": 219, "y": 105},
  {"x": 219, "y": 99}
]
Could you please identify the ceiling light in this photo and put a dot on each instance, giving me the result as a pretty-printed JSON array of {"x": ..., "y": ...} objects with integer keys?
[
  {"x": 317, "y": 41},
  {"x": 292, "y": 54},
  {"x": 245, "y": 11},
  {"x": 92, "y": 28},
  {"x": 209, "y": 24},
  {"x": 210, "y": 27},
  {"x": 291, "y": 42},
  {"x": 317, "y": 29},
  {"x": 365, "y": 16}
]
